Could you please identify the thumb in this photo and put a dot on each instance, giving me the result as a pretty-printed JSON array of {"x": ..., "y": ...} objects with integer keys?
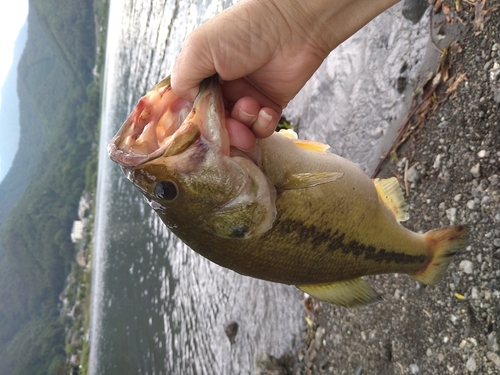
[{"x": 193, "y": 64}]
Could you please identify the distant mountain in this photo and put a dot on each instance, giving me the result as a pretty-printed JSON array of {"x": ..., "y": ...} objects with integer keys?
[
  {"x": 58, "y": 114},
  {"x": 9, "y": 109},
  {"x": 32, "y": 137}
]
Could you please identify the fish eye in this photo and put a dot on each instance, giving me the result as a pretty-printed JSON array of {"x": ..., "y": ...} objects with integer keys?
[{"x": 166, "y": 190}]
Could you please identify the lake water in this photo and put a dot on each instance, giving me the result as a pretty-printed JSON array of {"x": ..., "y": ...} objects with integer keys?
[{"x": 160, "y": 308}]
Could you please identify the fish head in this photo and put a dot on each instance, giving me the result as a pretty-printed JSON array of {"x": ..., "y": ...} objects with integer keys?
[{"x": 178, "y": 156}]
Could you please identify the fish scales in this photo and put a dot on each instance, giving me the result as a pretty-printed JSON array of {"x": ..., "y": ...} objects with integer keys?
[
  {"x": 287, "y": 211},
  {"x": 308, "y": 242}
]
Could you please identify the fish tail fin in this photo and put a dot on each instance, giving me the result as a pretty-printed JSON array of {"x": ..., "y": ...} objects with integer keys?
[{"x": 444, "y": 243}]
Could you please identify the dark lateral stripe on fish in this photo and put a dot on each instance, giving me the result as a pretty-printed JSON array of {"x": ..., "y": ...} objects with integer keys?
[{"x": 335, "y": 242}]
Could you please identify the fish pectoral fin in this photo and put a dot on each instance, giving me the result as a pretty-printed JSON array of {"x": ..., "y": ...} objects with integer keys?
[
  {"x": 308, "y": 145},
  {"x": 347, "y": 293},
  {"x": 307, "y": 180},
  {"x": 392, "y": 196}
]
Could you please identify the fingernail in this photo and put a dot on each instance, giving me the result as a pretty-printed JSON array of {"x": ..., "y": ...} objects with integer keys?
[
  {"x": 247, "y": 117},
  {"x": 264, "y": 119}
]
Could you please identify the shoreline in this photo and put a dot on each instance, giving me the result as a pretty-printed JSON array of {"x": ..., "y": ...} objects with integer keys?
[{"x": 76, "y": 295}]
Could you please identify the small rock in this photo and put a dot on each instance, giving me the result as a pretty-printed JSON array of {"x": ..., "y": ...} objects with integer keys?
[
  {"x": 437, "y": 161},
  {"x": 493, "y": 179},
  {"x": 474, "y": 294},
  {"x": 413, "y": 10},
  {"x": 440, "y": 357},
  {"x": 496, "y": 97},
  {"x": 413, "y": 175},
  {"x": 429, "y": 352},
  {"x": 414, "y": 369},
  {"x": 476, "y": 170},
  {"x": 451, "y": 214},
  {"x": 483, "y": 154},
  {"x": 493, "y": 357},
  {"x": 492, "y": 285},
  {"x": 492, "y": 342},
  {"x": 266, "y": 364},
  {"x": 475, "y": 193},
  {"x": 487, "y": 295},
  {"x": 471, "y": 364},
  {"x": 496, "y": 242},
  {"x": 318, "y": 337},
  {"x": 397, "y": 294},
  {"x": 471, "y": 204},
  {"x": 231, "y": 331},
  {"x": 301, "y": 355},
  {"x": 466, "y": 266}
]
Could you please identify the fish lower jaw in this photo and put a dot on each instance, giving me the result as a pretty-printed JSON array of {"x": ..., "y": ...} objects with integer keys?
[{"x": 144, "y": 143}]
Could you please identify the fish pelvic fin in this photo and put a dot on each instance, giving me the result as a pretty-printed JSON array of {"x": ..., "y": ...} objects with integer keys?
[
  {"x": 308, "y": 145},
  {"x": 347, "y": 293},
  {"x": 392, "y": 196},
  {"x": 443, "y": 243}
]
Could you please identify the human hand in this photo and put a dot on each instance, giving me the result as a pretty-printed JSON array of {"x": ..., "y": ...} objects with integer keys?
[{"x": 265, "y": 51}]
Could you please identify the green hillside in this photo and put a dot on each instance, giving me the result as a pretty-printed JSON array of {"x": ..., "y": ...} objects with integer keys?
[{"x": 59, "y": 110}]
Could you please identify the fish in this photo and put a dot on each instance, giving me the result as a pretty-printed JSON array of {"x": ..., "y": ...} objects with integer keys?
[{"x": 287, "y": 211}]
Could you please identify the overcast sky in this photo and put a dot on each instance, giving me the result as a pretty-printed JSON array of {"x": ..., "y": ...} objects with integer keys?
[{"x": 12, "y": 18}]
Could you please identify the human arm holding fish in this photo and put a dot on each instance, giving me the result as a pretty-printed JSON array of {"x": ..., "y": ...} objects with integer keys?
[{"x": 265, "y": 51}]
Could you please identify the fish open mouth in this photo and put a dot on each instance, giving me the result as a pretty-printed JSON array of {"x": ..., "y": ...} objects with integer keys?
[
  {"x": 162, "y": 123},
  {"x": 150, "y": 128}
]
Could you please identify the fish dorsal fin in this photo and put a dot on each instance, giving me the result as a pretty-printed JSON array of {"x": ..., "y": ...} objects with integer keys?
[
  {"x": 307, "y": 180},
  {"x": 347, "y": 293},
  {"x": 390, "y": 193},
  {"x": 308, "y": 145}
]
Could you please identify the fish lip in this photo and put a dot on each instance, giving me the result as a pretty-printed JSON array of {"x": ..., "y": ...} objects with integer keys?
[
  {"x": 207, "y": 110},
  {"x": 212, "y": 125},
  {"x": 126, "y": 159}
]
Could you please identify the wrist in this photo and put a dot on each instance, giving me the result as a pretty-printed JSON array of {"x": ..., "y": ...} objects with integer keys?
[{"x": 328, "y": 23}]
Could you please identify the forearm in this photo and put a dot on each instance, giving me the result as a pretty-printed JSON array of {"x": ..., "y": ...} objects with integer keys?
[{"x": 330, "y": 22}]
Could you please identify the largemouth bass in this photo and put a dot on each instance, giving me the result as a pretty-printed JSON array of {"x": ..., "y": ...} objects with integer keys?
[{"x": 288, "y": 211}]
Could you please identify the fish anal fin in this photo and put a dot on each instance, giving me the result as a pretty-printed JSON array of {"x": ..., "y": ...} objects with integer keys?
[
  {"x": 308, "y": 145},
  {"x": 347, "y": 293},
  {"x": 392, "y": 196},
  {"x": 307, "y": 180},
  {"x": 443, "y": 243}
]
